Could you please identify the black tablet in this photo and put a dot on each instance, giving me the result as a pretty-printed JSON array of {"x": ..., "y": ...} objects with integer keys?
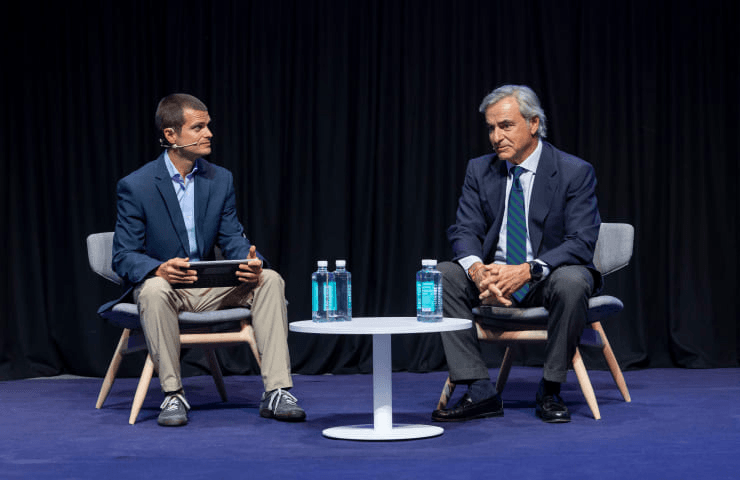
[{"x": 214, "y": 273}]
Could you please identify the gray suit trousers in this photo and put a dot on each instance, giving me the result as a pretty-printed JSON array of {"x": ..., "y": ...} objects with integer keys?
[{"x": 564, "y": 293}]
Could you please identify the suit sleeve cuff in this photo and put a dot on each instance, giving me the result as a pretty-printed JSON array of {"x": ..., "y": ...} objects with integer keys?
[
  {"x": 545, "y": 268},
  {"x": 467, "y": 262}
]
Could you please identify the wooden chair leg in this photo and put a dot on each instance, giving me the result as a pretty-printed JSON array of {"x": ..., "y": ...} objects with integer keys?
[
  {"x": 585, "y": 382},
  {"x": 110, "y": 375},
  {"x": 216, "y": 372},
  {"x": 144, "y": 381},
  {"x": 503, "y": 372},
  {"x": 446, "y": 394},
  {"x": 611, "y": 360}
]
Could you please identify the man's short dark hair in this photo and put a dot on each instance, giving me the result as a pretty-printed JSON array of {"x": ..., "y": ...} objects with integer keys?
[{"x": 170, "y": 111}]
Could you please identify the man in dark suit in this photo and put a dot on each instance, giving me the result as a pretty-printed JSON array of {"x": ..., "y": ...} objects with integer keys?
[
  {"x": 175, "y": 210},
  {"x": 525, "y": 233}
]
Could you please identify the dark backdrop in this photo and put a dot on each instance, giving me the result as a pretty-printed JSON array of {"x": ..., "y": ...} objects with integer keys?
[{"x": 348, "y": 125}]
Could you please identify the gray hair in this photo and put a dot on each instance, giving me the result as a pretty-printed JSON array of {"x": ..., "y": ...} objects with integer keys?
[{"x": 529, "y": 104}]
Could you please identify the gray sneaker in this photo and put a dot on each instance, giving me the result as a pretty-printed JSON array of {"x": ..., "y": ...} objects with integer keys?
[
  {"x": 174, "y": 411},
  {"x": 281, "y": 405}
]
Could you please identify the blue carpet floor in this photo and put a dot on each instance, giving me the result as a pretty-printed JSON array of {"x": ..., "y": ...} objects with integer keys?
[{"x": 681, "y": 424}]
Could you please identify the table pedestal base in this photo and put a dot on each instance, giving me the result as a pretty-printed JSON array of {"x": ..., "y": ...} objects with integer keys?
[
  {"x": 382, "y": 427},
  {"x": 369, "y": 433},
  {"x": 381, "y": 328}
]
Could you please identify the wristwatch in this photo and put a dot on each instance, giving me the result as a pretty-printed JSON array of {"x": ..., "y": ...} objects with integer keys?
[{"x": 535, "y": 271}]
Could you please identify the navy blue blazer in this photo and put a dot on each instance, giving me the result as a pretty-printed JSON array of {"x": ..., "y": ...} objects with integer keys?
[
  {"x": 150, "y": 228},
  {"x": 563, "y": 221}
]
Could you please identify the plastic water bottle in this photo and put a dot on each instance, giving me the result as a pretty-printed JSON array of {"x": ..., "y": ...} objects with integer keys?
[
  {"x": 343, "y": 281},
  {"x": 429, "y": 292},
  {"x": 323, "y": 296}
]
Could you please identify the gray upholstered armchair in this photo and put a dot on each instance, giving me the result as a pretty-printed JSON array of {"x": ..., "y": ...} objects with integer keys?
[
  {"x": 529, "y": 325},
  {"x": 195, "y": 329}
]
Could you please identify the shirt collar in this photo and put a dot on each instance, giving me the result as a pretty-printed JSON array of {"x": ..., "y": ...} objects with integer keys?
[
  {"x": 531, "y": 162},
  {"x": 174, "y": 174}
]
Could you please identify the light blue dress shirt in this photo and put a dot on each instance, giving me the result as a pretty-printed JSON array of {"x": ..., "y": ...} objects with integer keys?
[{"x": 185, "y": 191}]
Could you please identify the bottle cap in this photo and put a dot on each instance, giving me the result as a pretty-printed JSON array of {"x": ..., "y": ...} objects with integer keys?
[
  {"x": 427, "y": 262},
  {"x": 322, "y": 263},
  {"x": 341, "y": 263}
]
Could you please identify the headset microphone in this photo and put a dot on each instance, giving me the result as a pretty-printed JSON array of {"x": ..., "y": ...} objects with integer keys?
[
  {"x": 183, "y": 146},
  {"x": 174, "y": 145}
]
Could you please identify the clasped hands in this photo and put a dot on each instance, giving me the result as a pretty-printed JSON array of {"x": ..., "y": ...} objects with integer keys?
[
  {"x": 496, "y": 283},
  {"x": 176, "y": 270}
]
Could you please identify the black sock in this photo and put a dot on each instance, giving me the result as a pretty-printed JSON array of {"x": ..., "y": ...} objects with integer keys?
[
  {"x": 550, "y": 388},
  {"x": 481, "y": 390}
]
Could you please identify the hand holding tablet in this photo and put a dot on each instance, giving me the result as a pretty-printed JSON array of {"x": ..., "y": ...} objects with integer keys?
[
  {"x": 249, "y": 271},
  {"x": 223, "y": 273}
]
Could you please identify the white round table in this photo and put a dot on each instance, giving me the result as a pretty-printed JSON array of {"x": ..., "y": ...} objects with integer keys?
[{"x": 381, "y": 328}]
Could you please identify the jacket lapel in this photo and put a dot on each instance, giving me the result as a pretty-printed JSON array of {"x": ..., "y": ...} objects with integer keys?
[
  {"x": 542, "y": 192},
  {"x": 166, "y": 190},
  {"x": 496, "y": 194}
]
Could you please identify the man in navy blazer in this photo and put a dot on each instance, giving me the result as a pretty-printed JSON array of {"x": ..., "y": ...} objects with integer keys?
[
  {"x": 525, "y": 233},
  {"x": 175, "y": 210}
]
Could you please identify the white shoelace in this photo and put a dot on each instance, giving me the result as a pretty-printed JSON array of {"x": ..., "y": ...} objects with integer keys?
[
  {"x": 280, "y": 393},
  {"x": 170, "y": 402}
]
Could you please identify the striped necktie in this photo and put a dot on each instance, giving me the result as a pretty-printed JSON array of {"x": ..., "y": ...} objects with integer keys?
[{"x": 516, "y": 228}]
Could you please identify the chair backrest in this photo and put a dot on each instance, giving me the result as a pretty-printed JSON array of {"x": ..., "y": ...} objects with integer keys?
[
  {"x": 614, "y": 247},
  {"x": 100, "y": 255}
]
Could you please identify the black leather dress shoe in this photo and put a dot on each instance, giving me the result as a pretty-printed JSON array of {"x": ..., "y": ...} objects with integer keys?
[
  {"x": 467, "y": 409},
  {"x": 552, "y": 409}
]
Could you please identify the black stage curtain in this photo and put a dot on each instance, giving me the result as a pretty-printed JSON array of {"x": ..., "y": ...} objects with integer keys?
[{"x": 348, "y": 126}]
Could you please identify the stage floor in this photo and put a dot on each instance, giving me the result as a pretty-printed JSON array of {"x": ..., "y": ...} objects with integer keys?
[{"x": 680, "y": 424}]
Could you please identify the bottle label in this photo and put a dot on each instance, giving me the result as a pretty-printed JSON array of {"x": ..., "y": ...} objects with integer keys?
[
  {"x": 331, "y": 297},
  {"x": 427, "y": 302},
  {"x": 349, "y": 298},
  {"x": 315, "y": 296}
]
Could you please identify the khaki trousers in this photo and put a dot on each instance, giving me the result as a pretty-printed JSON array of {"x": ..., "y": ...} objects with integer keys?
[{"x": 159, "y": 305}]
